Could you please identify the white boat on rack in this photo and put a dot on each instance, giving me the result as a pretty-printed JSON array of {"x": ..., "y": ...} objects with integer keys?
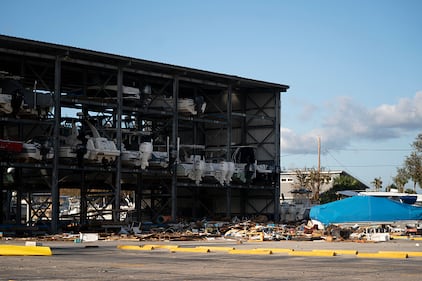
[
  {"x": 100, "y": 150},
  {"x": 159, "y": 159},
  {"x": 139, "y": 158},
  {"x": 5, "y": 103},
  {"x": 195, "y": 165},
  {"x": 11, "y": 93},
  {"x": 222, "y": 171},
  {"x": 128, "y": 92},
  {"x": 191, "y": 164},
  {"x": 35, "y": 150},
  {"x": 184, "y": 105},
  {"x": 70, "y": 145},
  {"x": 94, "y": 149}
]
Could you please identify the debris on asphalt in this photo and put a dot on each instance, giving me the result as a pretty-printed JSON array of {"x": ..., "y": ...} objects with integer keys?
[{"x": 241, "y": 230}]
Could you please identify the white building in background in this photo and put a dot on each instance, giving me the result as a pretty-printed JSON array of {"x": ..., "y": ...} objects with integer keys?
[
  {"x": 295, "y": 201},
  {"x": 289, "y": 182}
]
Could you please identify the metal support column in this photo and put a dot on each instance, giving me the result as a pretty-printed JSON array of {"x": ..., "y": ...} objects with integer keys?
[
  {"x": 175, "y": 148},
  {"x": 55, "y": 192},
  {"x": 29, "y": 208},
  {"x": 2, "y": 205},
  {"x": 8, "y": 207},
  {"x": 277, "y": 144},
  {"x": 228, "y": 144},
  {"x": 19, "y": 205},
  {"x": 118, "y": 187},
  {"x": 83, "y": 204},
  {"x": 138, "y": 197}
]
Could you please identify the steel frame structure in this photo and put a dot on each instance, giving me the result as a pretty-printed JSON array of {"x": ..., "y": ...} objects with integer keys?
[{"x": 240, "y": 112}]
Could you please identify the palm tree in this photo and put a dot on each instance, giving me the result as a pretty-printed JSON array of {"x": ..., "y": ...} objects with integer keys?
[
  {"x": 377, "y": 182},
  {"x": 343, "y": 182}
]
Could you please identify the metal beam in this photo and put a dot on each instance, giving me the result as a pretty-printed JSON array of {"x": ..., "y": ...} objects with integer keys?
[
  {"x": 55, "y": 192},
  {"x": 1, "y": 195},
  {"x": 277, "y": 156},
  {"x": 260, "y": 109},
  {"x": 27, "y": 54},
  {"x": 118, "y": 187},
  {"x": 228, "y": 147},
  {"x": 111, "y": 66},
  {"x": 175, "y": 151}
]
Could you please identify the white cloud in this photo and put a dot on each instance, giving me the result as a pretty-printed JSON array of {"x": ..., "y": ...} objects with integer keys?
[
  {"x": 406, "y": 114},
  {"x": 298, "y": 144},
  {"x": 346, "y": 120},
  {"x": 307, "y": 112}
]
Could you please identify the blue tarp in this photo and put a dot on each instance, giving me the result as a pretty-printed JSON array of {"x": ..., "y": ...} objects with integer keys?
[{"x": 364, "y": 209}]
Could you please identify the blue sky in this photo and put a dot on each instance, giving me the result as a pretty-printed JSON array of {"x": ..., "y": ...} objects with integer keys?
[{"x": 354, "y": 67}]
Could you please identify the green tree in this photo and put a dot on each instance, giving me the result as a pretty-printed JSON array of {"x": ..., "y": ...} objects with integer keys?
[
  {"x": 311, "y": 181},
  {"x": 401, "y": 179},
  {"x": 342, "y": 182},
  {"x": 377, "y": 183},
  {"x": 410, "y": 191},
  {"x": 417, "y": 144},
  {"x": 413, "y": 164},
  {"x": 388, "y": 188},
  {"x": 302, "y": 180},
  {"x": 412, "y": 168},
  {"x": 315, "y": 180}
]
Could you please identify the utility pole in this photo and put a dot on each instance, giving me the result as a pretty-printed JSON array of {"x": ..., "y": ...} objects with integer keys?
[
  {"x": 319, "y": 154},
  {"x": 319, "y": 169}
]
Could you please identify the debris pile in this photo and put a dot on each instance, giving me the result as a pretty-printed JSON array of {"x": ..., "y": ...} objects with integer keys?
[
  {"x": 251, "y": 230},
  {"x": 258, "y": 229}
]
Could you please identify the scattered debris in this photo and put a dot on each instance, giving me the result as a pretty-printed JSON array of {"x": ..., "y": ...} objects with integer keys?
[{"x": 259, "y": 229}]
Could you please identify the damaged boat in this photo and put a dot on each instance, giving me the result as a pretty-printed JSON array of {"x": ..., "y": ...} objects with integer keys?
[
  {"x": 191, "y": 164},
  {"x": 16, "y": 100}
]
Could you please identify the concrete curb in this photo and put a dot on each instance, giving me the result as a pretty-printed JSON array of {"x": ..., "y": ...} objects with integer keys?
[
  {"x": 216, "y": 248},
  {"x": 161, "y": 246},
  {"x": 136, "y": 248},
  {"x": 277, "y": 250},
  {"x": 391, "y": 255},
  {"x": 414, "y": 254},
  {"x": 13, "y": 250},
  {"x": 409, "y": 254},
  {"x": 397, "y": 237},
  {"x": 314, "y": 253},
  {"x": 339, "y": 252},
  {"x": 263, "y": 251},
  {"x": 251, "y": 252},
  {"x": 190, "y": 250}
]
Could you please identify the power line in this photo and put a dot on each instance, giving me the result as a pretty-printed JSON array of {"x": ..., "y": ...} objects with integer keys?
[
  {"x": 374, "y": 149},
  {"x": 361, "y": 166},
  {"x": 346, "y": 169},
  {"x": 374, "y": 165}
]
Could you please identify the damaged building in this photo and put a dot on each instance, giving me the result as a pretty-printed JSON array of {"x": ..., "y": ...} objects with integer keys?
[{"x": 91, "y": 137}]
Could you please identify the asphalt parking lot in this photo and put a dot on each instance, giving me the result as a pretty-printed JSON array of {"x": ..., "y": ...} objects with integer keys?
[{"x": 103, "y": 260}]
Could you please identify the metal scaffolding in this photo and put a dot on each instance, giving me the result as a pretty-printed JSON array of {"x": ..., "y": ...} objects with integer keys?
[{"x": 130, "y": 102}]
